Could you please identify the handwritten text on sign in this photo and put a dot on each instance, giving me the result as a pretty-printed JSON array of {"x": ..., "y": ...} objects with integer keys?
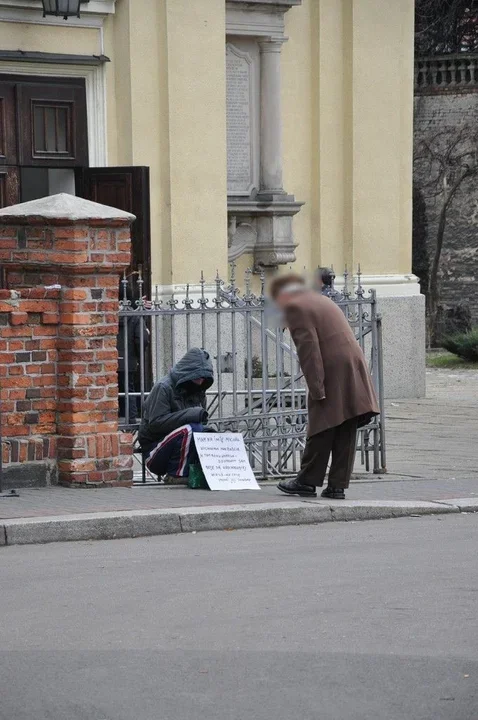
[{"x": 224, "y": 461}]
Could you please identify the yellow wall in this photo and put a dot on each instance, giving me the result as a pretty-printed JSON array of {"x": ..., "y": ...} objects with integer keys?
[
  {"x": 197, "y": 137},
  {"x": 45, "y": 38},
  {"x": 347, "y": 81},
  {"x": 136, "y": 118},
  {"x": 382, "y": 92},
  {"x": 297, "y": 124},
  {"x": 331, "y": 127},
  {"x": 347, "y": 108},
  {"x": 169, "y": 89},
  {"x": 347, "y": 90}
]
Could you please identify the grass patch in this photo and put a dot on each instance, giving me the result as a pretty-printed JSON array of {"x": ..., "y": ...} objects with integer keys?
[{"x": 448, "y": 361}]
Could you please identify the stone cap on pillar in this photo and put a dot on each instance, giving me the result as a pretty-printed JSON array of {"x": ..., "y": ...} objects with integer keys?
[
  {"x": 64, "y": 209},
  {"x": 64, "y": 233}
]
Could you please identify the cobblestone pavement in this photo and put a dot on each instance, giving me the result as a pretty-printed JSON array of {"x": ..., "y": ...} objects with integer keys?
[
  {"x": 436, "y": 438},
  {"x": 432, "y": 455}
]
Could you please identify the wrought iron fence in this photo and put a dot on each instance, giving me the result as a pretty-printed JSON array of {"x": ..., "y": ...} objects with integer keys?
[{"x": 259, "y": 389}]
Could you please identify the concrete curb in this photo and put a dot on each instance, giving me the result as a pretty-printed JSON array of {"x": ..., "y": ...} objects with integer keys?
[{"x": 143, "y": 523}]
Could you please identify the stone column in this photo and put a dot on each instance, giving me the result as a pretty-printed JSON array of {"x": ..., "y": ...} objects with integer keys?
[
  {"x": 271, "y": 117},
  {"x": 81, "y": 248}
]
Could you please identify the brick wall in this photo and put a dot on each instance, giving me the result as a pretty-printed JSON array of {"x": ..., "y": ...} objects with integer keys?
[
  {"x": 28, "y": 379},
  {"x": 59, "y": 359},
  {"x": 436, "y": 111}
]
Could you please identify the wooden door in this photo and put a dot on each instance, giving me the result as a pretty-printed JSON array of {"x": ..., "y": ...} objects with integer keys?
[
  {"x": 9, "y": 186},
  {"x": 8, "y": 130},
  {"x": 53, "y": 125},
  {"x": 125, "y": 188}
]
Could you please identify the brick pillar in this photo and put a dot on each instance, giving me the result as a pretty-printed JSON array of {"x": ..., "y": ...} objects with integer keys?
[
  {"x": 84, "y": 248},
  {"x": 28, "y": 382}
]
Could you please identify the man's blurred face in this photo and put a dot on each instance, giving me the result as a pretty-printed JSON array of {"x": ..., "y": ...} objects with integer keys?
[
  {"x": 282, "y": 299},
  {"x": 199, "y": 381}
]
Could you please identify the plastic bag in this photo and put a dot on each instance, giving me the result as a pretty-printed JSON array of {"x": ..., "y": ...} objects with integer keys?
[{"x": 197, "y": 481}]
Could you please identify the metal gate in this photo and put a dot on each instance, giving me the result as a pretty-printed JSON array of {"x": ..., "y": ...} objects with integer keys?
[{"x": 259, "y": 389}]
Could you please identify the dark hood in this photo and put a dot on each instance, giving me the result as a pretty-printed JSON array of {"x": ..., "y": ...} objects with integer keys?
[{"x": 194, "y": 365}]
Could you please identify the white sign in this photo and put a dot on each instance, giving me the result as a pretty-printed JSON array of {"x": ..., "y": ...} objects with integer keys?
[{"x": 224, "y": 461}]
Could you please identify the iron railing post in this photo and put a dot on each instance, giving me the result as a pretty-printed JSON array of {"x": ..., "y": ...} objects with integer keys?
[{"x": 272, "y": 418}]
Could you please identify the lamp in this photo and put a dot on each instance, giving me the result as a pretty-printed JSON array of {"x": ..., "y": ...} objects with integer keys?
[{"x": 65, "y": 8}]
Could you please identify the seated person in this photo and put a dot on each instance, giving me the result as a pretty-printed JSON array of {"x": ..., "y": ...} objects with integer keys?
[{"x": 175, "y": 408}]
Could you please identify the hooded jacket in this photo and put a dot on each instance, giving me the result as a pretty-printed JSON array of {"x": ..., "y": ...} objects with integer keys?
[{"x": 176, "y": 400}]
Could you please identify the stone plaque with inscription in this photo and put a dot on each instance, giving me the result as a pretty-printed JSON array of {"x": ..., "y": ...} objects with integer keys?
[{"x": 240, "y": 170}]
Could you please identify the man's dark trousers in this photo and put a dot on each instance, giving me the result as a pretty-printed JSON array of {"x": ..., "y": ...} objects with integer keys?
[{"x": 341, "y": 443}]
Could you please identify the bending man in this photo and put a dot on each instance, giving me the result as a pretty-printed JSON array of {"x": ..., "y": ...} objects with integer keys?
[{"x": 341, "y": 397}]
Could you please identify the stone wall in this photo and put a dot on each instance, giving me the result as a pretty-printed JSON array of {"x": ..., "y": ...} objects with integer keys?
[{"x": 438, "y": 109}]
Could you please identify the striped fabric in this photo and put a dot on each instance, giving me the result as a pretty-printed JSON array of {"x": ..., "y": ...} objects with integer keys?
[{"x": 167, "y": 448}]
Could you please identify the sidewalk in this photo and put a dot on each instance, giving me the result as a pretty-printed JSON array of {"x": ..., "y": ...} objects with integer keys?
[{"x": 432, "y": 459}]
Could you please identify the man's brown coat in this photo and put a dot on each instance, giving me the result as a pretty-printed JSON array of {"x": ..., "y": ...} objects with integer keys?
[{"x": 334, "y": 366}]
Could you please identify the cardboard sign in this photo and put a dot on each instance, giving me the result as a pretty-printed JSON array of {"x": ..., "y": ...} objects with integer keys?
[{"x": 224, "y": 461}]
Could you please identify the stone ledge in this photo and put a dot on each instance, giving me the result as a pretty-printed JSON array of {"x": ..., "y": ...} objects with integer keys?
[
  {"x": 63, "y": 207},
  {"x": 144, "y": 523},
  {"x": 465, "y": 504},
  {"x": 246, "y": 516},
  {"x": 29, "y": 474},
  {"x": 282, "y": 4}
]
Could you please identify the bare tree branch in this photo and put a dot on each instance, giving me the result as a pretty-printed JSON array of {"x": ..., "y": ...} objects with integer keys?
[
  {"x": 446, "y": 26},
  {"x": 442, "y": 163}
]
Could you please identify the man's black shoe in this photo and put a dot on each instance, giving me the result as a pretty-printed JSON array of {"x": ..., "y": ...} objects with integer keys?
[
  {"x": 292, "y": 487},
  {"x": 333, "y": 493}
]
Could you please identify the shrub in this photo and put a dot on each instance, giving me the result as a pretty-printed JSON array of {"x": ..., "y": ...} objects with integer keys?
[{"x": 465, "y": 345}]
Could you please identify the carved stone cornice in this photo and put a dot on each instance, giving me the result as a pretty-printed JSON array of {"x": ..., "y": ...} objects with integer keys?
[
  {"x": 258, "y": 18},
  {"x": 282, "y": 5},
  {"x": 263, "y": 228}
]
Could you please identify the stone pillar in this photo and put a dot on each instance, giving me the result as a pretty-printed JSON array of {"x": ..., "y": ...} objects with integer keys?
[
  {"x": 271, "y": 117},
  {"x": 82, "y": 248}
]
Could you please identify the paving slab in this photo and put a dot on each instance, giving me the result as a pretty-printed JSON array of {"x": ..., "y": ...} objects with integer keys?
[{"x": 40, "y": 502}]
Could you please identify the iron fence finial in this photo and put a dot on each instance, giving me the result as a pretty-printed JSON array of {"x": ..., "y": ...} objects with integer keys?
[
  {"x": 247, "y": 283},
  {"x": 262, "y": 277},
  {"x": 203, "y": 301},
  {"x": 219, "y": 283},
  {"x": 187, "y": 302}
]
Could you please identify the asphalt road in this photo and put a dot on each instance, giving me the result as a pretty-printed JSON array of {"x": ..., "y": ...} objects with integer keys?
[{"x": 360, "y": 621}]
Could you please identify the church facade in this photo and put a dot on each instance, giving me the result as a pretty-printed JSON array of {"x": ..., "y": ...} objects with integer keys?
[{"x": 275, "y": 133}]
